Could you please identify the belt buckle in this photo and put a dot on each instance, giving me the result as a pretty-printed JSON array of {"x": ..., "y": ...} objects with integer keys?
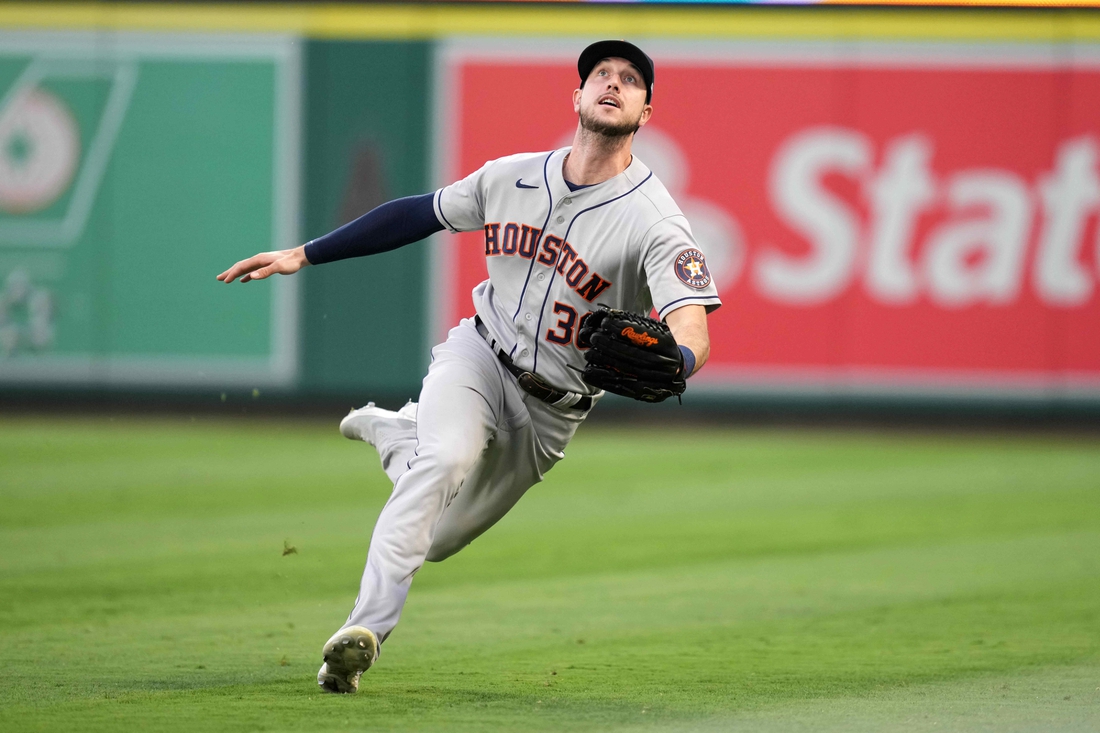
[{"x": 535, "y": 386}]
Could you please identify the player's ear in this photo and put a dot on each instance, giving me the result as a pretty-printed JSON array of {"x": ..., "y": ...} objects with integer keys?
[
  {"x": 577, "y": 100},
  {"x": 647, "y": 112}
]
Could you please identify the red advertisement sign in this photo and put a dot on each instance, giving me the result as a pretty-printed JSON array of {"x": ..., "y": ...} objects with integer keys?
[{"x": 876, "y": 218}]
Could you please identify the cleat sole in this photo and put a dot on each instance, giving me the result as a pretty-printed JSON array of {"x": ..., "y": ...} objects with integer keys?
[{"x": 347, "y": 655}]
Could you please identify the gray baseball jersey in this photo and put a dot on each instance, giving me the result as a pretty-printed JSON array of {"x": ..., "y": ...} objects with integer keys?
[{"x": 553, "y": 255}]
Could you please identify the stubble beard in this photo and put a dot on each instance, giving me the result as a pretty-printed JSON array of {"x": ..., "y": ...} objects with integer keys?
[{"x": 612, "y": 132}]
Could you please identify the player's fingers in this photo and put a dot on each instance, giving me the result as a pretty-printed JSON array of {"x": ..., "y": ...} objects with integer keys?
[
  {"x": 285, "y": 265},
  {"x": 237, "y": 270},
  {"x": 282, "y": 266},
  {"x": 225, "y": 276},
  {"x": 246, "y": 266}
]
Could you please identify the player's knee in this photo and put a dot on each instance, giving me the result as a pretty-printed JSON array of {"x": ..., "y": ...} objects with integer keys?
[
  {"x": 440, "y": 551},
  {"x": 456, "y": 530},
  {"x": 451, "y": 462},
  {"x": 451, "y": 538}
]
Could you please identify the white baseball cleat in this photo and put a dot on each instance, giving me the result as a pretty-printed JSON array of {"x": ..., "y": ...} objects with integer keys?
[
  {"x": 408, "y": 411},
  {"x": 348, "y": 654},
  {"x": 363, "y": 424}
]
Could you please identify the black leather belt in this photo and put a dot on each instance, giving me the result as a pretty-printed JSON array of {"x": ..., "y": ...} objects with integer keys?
[{"x": 530, "y": 382}]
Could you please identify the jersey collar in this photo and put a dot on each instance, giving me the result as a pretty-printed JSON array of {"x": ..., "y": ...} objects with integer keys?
[{"x": 634, "y": 174}]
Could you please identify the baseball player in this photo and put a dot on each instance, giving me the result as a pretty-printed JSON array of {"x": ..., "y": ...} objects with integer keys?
[{"x": 579, "y": 242}]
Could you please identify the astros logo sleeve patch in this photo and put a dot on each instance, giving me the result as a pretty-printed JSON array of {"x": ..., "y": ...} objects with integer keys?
[{"x": 691, "y": 268}]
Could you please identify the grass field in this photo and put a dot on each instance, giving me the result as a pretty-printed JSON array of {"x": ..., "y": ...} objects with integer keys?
[{"x": 182, "y": 575}]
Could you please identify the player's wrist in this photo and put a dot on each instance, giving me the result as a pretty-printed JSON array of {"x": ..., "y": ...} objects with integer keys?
[
  {"x": 300, "y": 257},
  {"x": 689, "y": 360}
]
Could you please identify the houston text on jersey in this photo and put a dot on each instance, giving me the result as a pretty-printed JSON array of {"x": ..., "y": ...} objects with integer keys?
[{"x": 523, "y": 240}]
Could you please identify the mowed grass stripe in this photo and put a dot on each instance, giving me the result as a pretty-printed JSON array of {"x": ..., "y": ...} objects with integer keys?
[
  {"x": 733, "y": 632},
  {"x": 732, "y": 579}
]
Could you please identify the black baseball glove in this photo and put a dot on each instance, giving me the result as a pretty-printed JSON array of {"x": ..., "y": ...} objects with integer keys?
[{"x": 631, "y": 355}]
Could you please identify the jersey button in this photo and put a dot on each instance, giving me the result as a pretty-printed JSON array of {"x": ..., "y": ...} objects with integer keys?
[
  {"x": 528, "y": 316},
  {"x": 568, "y": 201},
  {"x": 523, "y": 353},
  {"x": 541, "y": 277},
  {"x": 561, "y": 219}
]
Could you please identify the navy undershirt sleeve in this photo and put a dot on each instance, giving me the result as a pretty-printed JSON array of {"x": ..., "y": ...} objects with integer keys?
[
  {"x": 386, "y": 227},
  {"x": 689, "y": 360}
]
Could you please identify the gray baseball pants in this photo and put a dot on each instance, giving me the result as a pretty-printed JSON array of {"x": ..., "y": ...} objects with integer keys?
[{"x": 478, "y": 443}]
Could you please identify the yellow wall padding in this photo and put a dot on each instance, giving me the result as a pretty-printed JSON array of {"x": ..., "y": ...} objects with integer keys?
[{"x": 436, "y": 21}]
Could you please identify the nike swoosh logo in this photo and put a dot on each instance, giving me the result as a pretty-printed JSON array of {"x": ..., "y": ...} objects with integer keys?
[{"x": 520, "y": 184}]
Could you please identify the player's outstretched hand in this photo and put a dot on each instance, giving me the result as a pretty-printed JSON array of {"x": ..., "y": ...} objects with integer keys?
[{"x": 266, "y": 264}]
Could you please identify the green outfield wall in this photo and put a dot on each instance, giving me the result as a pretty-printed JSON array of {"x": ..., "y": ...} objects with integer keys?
[
  {"x": 366, "y": 127},
  {"x": 128, "y": 171},
  {"x": 133, "y": 171}
]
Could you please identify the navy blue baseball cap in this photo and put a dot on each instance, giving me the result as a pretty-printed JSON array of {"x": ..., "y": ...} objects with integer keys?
[{"x": 601, "y": 50}]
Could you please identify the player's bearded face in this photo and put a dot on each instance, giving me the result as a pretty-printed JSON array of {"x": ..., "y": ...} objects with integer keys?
[{"x": 612, "y": 101}]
